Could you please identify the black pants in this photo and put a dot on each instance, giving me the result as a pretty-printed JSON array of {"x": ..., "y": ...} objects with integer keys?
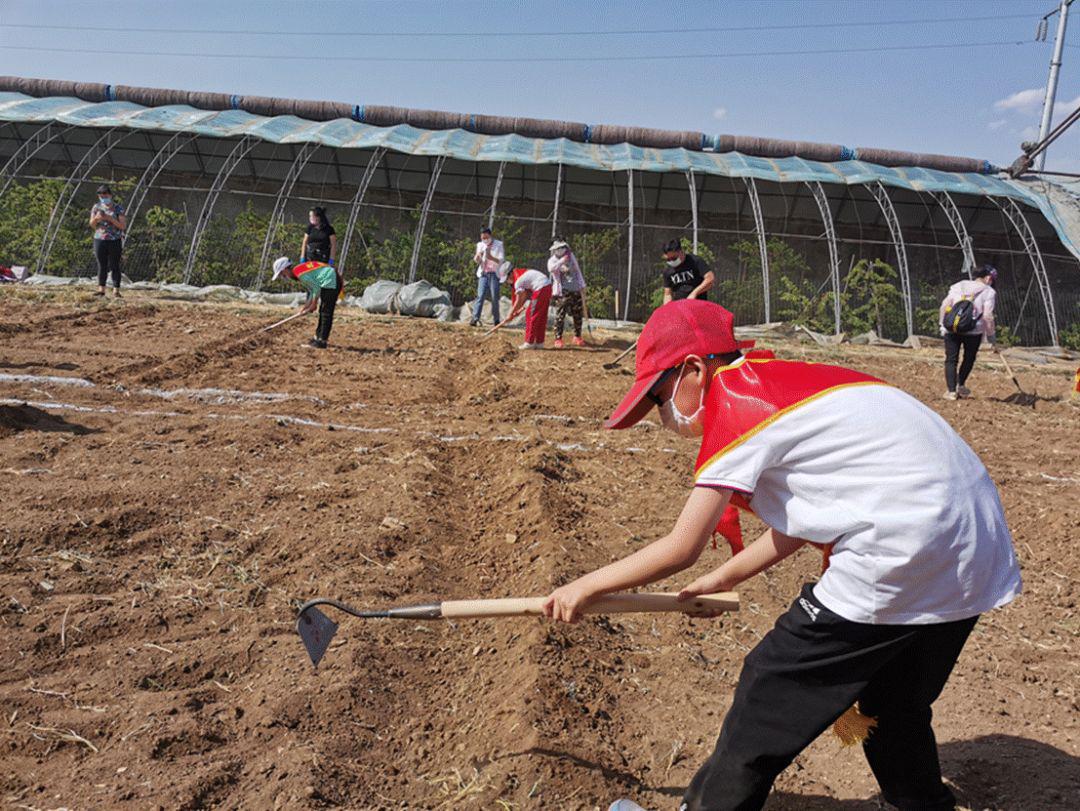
[
  {"x": 327, "y": 303},
  {"x": 107, "y": 253},
  {"x": 953, "y": 343},
  {"x": 803, "y": 675},
  {"x": 569, "y": 304}
]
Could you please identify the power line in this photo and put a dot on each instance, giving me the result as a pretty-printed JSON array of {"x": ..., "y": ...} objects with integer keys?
[
  {"x": 276, "y": 57},
  {"x": 502, "y": 34}
]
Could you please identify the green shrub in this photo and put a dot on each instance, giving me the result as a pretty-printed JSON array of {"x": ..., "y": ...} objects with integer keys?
[{"x": 1070, "y": 336}]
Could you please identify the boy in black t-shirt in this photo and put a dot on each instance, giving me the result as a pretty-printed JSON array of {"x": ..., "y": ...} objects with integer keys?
[{"x": 686, "y": 276}]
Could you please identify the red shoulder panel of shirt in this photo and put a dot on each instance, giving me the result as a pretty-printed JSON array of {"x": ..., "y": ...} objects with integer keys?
[{"x": 745, "y": 397}]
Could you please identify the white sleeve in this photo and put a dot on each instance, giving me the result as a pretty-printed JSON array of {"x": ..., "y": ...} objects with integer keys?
[
  {"x": 739, "y": 466},
  {"x": 498, "y": 252}
]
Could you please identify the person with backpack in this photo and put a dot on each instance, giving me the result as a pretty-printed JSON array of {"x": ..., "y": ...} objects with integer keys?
[{"x": 966, "y": 316}]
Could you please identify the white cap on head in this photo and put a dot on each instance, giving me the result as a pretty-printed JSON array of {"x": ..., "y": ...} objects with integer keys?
[
  {"x": 558, "y": 244},
  {"x": 280, "y": 265}
]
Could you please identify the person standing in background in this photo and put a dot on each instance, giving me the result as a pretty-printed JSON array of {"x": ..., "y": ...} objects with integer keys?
[
  {"x": 982, "y": 295},
  {"x": 489, "y": 256},
  {"x": 686, "y": 275},
  {"x": 109, "y": 223},
  {"x": 568, "y": 288},
  {"x": 320, "y": 242}
]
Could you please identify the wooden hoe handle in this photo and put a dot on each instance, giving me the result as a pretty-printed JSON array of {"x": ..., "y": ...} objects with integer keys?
[{"x": 609, "y": 604}]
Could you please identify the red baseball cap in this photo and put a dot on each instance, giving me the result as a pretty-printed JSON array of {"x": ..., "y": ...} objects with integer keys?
[{"x": 675, "y": 331}]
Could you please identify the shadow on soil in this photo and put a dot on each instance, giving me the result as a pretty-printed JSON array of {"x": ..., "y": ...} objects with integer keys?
[
  {"x": 16, "y": 418},
  {"x": 991, "y": 773}
]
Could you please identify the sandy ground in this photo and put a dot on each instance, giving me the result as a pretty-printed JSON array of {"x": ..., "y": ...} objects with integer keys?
[{"x": 158, "y": 534}]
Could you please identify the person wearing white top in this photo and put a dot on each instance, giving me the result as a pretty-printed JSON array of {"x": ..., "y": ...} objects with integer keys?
[
  {"x": 532, "y": 288},
  {"x": 914, "y": 545},
  {"x": 980, "y": 291},
  {"x": 490, "y": 259},
  {"x": 567, "y": 288}
]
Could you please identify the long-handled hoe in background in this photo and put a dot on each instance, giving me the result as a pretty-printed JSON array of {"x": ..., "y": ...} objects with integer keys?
[
  {"x": 625, "y": 352},
  {"x": 1019, "y": 397},
  {"x": 316, "y": 629},
  {"x": 282, "y": 321}
]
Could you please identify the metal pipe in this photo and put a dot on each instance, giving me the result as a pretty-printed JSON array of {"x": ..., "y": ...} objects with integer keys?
[
  {"x": 414, "y": 261},
  {"x": 358, "y": 198},
  {"x": 277, "y": 216},
  {"x": 79, "y": 174},
  {"x": 948, "y": 205},
  {"x": 834, "y": 254},
  {"x": 41, "y": 138},
  {"x": 884, "y": 202},
  {"x": 150, "y": 174},
  {"x": 630, "y": 252},
  {"x": 1052, "y": 81},
  {"x": 693, "y": 205},
  {"x": 495, "y": 194},
  {"x": 558, "y": 194},
  {"x": 763, "y": 245},
  {"x": 1019, "y": 222},
  {"x": 232, "y": 160}
]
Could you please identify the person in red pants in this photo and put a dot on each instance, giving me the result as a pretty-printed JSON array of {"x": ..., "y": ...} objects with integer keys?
[{"x": 532, "y": 288}]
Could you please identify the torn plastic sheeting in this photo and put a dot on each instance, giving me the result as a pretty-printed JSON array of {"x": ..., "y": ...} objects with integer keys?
[
  {"x": 380, "y": 297},
  {"x": 421, "y": 299}
]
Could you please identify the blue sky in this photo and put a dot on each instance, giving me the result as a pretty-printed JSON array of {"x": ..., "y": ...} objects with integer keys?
[{"x": 979, "y": 100}]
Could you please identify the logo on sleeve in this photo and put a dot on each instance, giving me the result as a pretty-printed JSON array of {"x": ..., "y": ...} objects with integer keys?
[{"x": 811, "y": 610}]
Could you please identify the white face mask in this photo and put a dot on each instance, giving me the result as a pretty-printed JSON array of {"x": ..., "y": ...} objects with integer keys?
[
  {"x": 674, "y": 420},
  {"x": 672, "y": 263},
  {"x": 105, "y": 201},
  {"x": 560, "y": 252}
]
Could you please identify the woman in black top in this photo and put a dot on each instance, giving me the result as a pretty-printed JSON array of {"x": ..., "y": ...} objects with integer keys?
[{"x": 320, "y": 240}]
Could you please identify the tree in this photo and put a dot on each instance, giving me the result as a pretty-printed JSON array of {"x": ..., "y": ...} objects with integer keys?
[
  {"x": 160, "y": 240},
  {"x": 592, "y": 250},
  {"x": 874, "y": 300}
]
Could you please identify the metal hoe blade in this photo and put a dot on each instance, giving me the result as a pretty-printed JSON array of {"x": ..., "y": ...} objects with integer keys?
[{"x": 316, "y": 630}]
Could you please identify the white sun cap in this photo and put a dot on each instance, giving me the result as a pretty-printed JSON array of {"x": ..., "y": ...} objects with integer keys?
[{"x": 279, "y": 266}]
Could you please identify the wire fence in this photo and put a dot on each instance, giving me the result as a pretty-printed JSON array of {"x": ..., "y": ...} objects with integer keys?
[{"x": 257, "y": 217}]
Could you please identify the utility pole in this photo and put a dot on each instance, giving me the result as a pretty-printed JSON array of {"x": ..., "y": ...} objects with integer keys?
[{"x": 1052, "y": 82}]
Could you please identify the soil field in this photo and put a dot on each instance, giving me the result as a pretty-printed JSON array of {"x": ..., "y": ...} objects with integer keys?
[{"x": 176, "y": 483}]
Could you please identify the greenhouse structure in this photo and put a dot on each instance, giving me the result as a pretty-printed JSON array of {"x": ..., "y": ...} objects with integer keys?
[{"x": 841, "y": 239}]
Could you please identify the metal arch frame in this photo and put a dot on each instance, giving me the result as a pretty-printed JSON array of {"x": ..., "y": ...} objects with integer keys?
[
  {"x": 763, "y": 246},
  {"x": 948, "y": 205},
  {"x": 630, "y": 243},
  {"x": 277, "y": 217},
  {"x": 79, "y": 175},
  {"x": 693, "y": 205},
  {"x": 1019, "y": 222},
  {"x": 146, "y": 181},
  {"x": 830, "y": 236},
  {"x": 358, "y": 199},
  {"x": 881, "y": 194},
  {"x": 495, "y": 194},
  {"x": 232, "y": 160},
  {"x": 41, "y": 138},
  {"x": 414, "y": 260},
  {"x": 558, "y": 194}
]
